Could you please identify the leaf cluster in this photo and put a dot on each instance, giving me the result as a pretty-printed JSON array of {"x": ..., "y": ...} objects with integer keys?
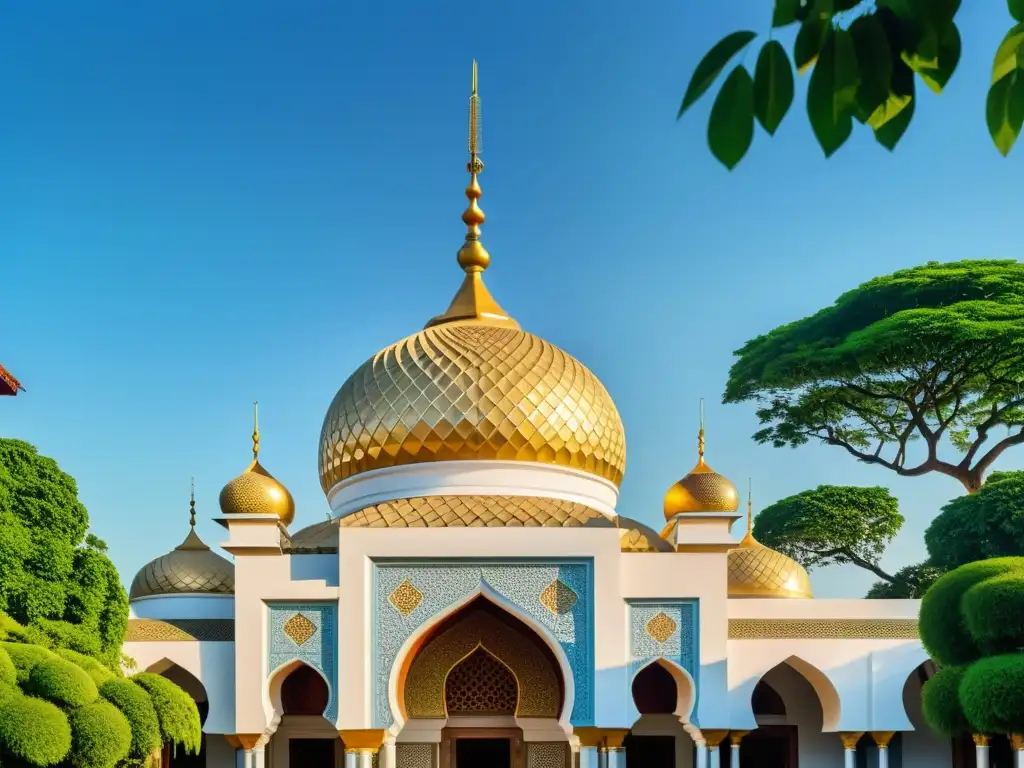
[
  {"x": 864, "y": 59},
  {"x": 908, "y": 583},
  {"x": 175, "y": 710}
]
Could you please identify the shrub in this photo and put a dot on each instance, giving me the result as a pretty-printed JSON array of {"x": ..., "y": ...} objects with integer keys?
[
  {"x": 100, "y": 736},
  {"x": 176, "y": 711},
  {"x": 993, "y": 609},
  {"x": 24, "y": 657},
  {"x": 943, "y": 628},
  {"x": 8, "y": 674},
  {"x": 63, "y": 634},
  {"x": 99, "y": 673},
  {"x": 992, "y": 694},
  {"x": 134, "y": 703},
  {"x": 33, "y": 731},
  {"x": 940, "y": 700},
  {"x": 62, "y": 683}
]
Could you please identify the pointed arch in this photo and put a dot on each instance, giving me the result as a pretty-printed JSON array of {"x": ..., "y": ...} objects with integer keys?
[
  {"x": 418, "y": 640},
  {"x": 274, "y": 690},
  {"x": 490, "y": 670},
  {"x": 828, "y": 696},
  {"x": 685, "y": 688}
]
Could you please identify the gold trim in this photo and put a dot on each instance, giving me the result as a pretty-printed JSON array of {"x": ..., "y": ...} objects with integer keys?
[
  {"x": 980, "y": 739},
  {"x": 248, "y": 740},
  {"x": 179, "y": 630},
  {"x": 832, "y": 629},
  {"x": 714, "y": 736},
  {"x": 1017, "y": 741},
  {"x": 614, "y": 737},
  {"x": 705, "y": 547},
  {"x": 735, "y": 737},
  {"x": 850, "y": 739},
  {"x": 882, "y": 738},
  {"x": 363, "y": 740}
]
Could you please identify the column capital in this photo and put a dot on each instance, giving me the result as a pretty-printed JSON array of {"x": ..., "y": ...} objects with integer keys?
[
  {"x": 882, "y": 738},
  {"x": 714, "y": 736},
  {"x": 735, "y": 737},
  {"x": 603, "y": 738},
  {"x": 980, "y": 739},
  {"x": 588, "y": 736},
  {"x": 850, "y": 739},
  {"x": 1017, "y": 741},
  {"x": 614, "y": 737},
  {"x": 360, "y": 741},
  {"x": 242, "y": 740}
]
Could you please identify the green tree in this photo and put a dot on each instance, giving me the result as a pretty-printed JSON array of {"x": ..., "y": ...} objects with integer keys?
[
  {"x": 910, "y": 582},
  {"x": 832, "y": 525},
  {"x": 932, "y": 355},
  {"x": 53, "y": 576},
  {"x": 865, "y": 58},
  {"x": 989, "y": 523}
]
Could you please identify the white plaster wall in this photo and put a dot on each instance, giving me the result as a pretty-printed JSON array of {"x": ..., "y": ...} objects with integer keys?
[
  {"x": 817, "y": 749},
  {"x": 213, "y": 664},
  {"x": 922, "y": 747},
  {"x": 183, "y": 607}
]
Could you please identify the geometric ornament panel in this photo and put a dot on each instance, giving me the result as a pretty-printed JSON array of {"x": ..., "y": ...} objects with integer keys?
[
  {"x": 306, "y": 632},
  {"x": 555, "y": 594},
  {"x": 663, "y": 629}
]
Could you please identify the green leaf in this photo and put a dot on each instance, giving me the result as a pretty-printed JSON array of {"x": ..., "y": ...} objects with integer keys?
[
  {"x": 731, "y": 126},
  {"x": 1016, "y": 9},
  {"x": 832, "y": 90},
  {"x": 891, "y": 131},
  {"x": 937, "y": 76},
  {"x": 712, "y": 64},
  {"x": 773, "y": 86},
  {"x": 788, "y": 12},
  {"x": 1010, "y": 55},
  {"x": 809, "y": 41},
  {"x": 874, "y": 60},
  {"x": 1004, "y": 111},
  {"x": 900, "y": 95}
]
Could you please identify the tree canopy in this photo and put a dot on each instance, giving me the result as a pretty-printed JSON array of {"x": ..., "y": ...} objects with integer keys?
[
  {"x": 865, "y": 58},
  {"x": 932, "y": 355},
  {"x": 53, "y": 577}
]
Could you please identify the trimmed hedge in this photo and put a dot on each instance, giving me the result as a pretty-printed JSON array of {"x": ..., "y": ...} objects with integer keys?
[
  {"x": 8, "y": 673},
  {"x": 25, "y": 657},
  {"x": 992, "y": 693},
  {"x": 994, "y": 612},
  {"x": 942, "y": 625},
  {"x": 34, "y": 731},
  {"x": 99, "y": 673},
  {"x": 176, "y": 711},
  {"x": 100, "y": 736},
  {"x": 134, "y": 703},
  {"x": 940, "y": 701},
  {"x": 62, "y": 683}
]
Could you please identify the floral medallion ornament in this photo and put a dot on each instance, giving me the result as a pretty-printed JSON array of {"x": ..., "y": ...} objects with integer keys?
[
  {"x": 405, "y": 598},
  {"x": 299, "y": 629},
  {"x": 558, "y": 597},
  {"x": 660, "y": 627}
]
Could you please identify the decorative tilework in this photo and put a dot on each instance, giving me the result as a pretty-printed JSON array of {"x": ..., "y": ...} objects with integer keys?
[
  {"x": 546, "y": 754},
  {"x": 318, "y": 648},
  {"x": 446, "y": 583},
  {"x": 821, "y": 629},
  {"x": 676, "y": 623},
  {"x": 414, "y": 755},
  {"x": 558, "y": 598}
]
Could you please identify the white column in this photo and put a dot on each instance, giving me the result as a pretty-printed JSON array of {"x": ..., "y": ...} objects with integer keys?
[
  {"x": 735, "y": 738},
  {"x": 240, "y": 758},
  {"x": 351, "y": 759},
  {"x": 702, "y": 754},
  {"x": 1017, "y": 742},
  {"x": 588, "y": 757},
  {"x": 882, "y": 739},
  {"x": 850, "y": 740},
  {"x": 387, "y": 755},
  {"x": 981, "y": 750},
  {"x": 617, "y": 758}
]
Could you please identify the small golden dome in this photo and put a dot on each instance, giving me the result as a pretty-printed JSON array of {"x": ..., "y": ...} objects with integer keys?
[
  {"x": 191, "y": 568},
  {"x": 256, "y": 491},
  {"x": 702, "y": 489},
  {"x": 757, "y": 571}
]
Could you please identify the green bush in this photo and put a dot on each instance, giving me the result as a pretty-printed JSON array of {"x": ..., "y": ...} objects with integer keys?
[
  {"x": 99, "y": 673},
  {"x": 943, "y": 628},
  {"x": 992, "y": 694},
  {"x": 940, "y": 700},
  {"x": 100, "y": 736},
  {"x": 64, "y": 634},
  {"x": 62, "y": 683},
  {"x": 135, "y": 704},
  {"x": 176, "y": 711},
  {"x": 993, "y": 610},
  {"x": 6, "y": 692},
  {"x": 25, "y": 657},
  {"x": 33, "y": 731},
  {"x": 8, "y": 673}
]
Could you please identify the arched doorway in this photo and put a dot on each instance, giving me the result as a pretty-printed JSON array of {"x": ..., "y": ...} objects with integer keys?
[
  {"x": 304, "y": 738},
  {"x": 664, "y": 698},
  {"x": 485, "y": 688},
  {"x": 796, "y": 707},
  {"x": 170, "y": 756}
]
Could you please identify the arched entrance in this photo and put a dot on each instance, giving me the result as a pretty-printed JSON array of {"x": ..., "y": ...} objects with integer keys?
[
  {"x": 178, "y": 758},
  {"x": 664, "y": 697},
  {"x": 304, "y": 738},
  {"x": 484, "y": 688},
  {"x": 797, "y": 709}
]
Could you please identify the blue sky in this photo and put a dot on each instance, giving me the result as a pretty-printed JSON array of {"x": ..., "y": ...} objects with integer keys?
[{"x": 204, "y": 204}]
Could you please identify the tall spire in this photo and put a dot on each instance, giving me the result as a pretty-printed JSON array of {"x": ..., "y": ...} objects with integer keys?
[
  {"x": 192, "y": 542},
  {"x": 749, "y": 540},
  {"x": 473, "y": 302},
  {"x": 192, "y": 505},
  {"x": 700, "y": 435},
  {"x": 255, "y": 430}
]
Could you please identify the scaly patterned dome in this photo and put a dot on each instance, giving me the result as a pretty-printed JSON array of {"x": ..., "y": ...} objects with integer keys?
[
  {"x": 702, "y": 489},
  {"x": 256, "y": 491},
  {"x": 757, "y": 571},
  {"x": 191, "y": 568}
]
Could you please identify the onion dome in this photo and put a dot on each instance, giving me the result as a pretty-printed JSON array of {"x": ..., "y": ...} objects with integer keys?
[
  {"x": 702, "y": 489},
  {"x": 757, "y": 571},
  {"x": 255, "y": 491},
  {"x": 191, "y": 568},
  {"x": 471, "y": 385}
]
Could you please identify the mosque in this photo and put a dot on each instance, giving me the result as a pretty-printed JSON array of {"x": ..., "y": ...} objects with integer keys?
[{"x": 477, "y": 600}]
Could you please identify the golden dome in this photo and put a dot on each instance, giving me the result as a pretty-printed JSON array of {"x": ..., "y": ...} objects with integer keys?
[
  {"x": 702, "y": 489},
  {"x": 256, "y": 491},
  {"x": 471, "y": 385},
  {"x": 191, "y": 568},
  {"x": 757, "y": 571}
]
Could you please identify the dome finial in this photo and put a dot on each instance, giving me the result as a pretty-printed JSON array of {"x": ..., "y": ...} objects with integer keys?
[
  {"x": 474, "y": 302},
  {"x": 192, "y": 505},
  {"x": 749, "y": 539},
  {"x": 255, "y": 430},
  {"x": 700, "y": 435},
  {"x": 192, "y": 542}
]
